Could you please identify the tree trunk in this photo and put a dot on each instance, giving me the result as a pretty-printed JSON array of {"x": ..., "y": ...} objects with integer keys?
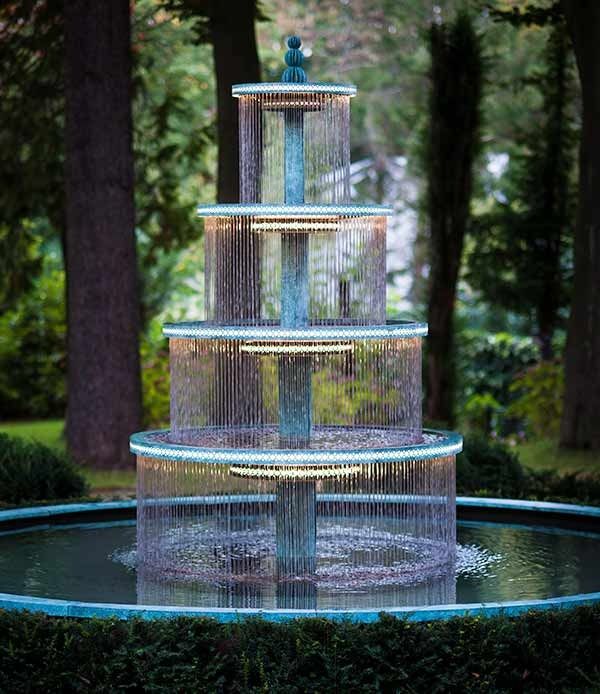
[
  {"x": 453, "y": 139},
  {"x": 104, "y": 391},
  {"x": 236, "y": 61},
  {"x": 580, "y": 426}
]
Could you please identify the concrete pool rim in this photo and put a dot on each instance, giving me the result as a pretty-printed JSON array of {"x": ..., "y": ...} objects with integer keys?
[{"x": 540, "y": 512}]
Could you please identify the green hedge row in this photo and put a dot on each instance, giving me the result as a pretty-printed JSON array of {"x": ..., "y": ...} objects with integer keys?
[{"x": 548, "y": 652}]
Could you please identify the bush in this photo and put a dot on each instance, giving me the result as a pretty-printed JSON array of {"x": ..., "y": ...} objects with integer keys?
[
  {"x": 30, "y": 471},
  {"x": 578, "y": 487},
  {"x": 490, "y": 467},
  {"x": 539, "y": 402},
  {"x": 154, "y": 354},
  {"x": 545, "y": 651},
  {"x": 487, "y": 364},
  {"x": 33, "y": 349}
]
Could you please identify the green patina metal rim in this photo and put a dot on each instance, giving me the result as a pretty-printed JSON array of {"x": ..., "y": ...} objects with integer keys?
[
  {"x": 238, "y": 90},
  {"x": 304, "y": 210},
  {"x": 203, "y": 330},
  {"x": 152, "y": 444}
]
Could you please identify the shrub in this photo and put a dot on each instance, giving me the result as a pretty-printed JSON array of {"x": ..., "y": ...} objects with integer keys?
[
  {"x": 579, "y": 487},
  {"x": 30, "y": 471},
  {"x": 489, "y": 362},
  {"x": 32, "y": 349},
  {"x": 489, "y": 466},
  {"x": 548, "y": 651},
  {"x": 540, "y": 390},
  {"x": 481, "y": 413},
  {"x": 154, "y": 354}
]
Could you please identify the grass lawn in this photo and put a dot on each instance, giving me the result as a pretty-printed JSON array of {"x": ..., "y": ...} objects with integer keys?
[
  {"x": 545, "y": 454},
  {"x": 46, "y": 431}
]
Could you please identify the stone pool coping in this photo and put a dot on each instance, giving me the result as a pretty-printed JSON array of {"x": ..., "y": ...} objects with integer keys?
[{"x": 70, "y": 608}]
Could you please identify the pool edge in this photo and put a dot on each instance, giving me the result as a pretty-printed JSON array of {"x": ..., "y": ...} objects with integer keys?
[{"x": 77, "y": 609}]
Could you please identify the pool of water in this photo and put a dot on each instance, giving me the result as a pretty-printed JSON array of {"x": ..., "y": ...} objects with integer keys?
[{"x": 95, "y": 562}]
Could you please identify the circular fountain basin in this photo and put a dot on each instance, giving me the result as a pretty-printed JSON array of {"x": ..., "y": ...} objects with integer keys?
[{"x": 512, "y": 556}]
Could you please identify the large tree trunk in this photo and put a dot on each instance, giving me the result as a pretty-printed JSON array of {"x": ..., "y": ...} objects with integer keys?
[
  {"x": 104, "y": 393},
  {"x": 580, "y": 426},
  {"x": 236, "y": 61},
  {"x": 456, "y": 83}
]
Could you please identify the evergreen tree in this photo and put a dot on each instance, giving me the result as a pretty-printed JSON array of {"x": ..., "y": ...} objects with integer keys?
[{"x": 520, "y": 259}]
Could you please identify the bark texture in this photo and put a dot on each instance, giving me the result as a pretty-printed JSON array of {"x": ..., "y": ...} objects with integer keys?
[
  {"x": 236, "y": 61},
  {"x": 453, "y": 140},
  {"x": 104, "y": 392},
  {"x": 580, "y": 426}
]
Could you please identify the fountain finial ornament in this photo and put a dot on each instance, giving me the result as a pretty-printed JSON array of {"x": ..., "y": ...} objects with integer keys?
[{"x": 294, "y": 59}]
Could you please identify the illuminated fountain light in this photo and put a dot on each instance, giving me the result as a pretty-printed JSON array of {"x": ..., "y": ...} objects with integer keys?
[
  {"x": 296, "y": 472},
  {"x": 297, "y": 347},
  {"x": 309, "y": 225}
]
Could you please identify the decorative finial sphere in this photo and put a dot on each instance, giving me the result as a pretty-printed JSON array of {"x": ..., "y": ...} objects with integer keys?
[{"x": 294, "y": 59}]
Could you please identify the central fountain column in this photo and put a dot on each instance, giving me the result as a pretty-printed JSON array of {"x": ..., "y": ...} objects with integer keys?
[{"x": 296, "y": 511}]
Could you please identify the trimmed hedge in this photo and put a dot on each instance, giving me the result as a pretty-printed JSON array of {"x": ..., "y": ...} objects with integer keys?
[
  {"x": 548, "y": 651},
  {"x": 30, "y": 471}
]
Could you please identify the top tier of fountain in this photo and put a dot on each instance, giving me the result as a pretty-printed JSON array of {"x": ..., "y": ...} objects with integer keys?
[
  {"x": 294, "y": 251},
  {"x": 294, "y": 138}
]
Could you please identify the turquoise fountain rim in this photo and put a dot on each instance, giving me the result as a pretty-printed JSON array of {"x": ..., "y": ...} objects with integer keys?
[
  {"x": 153, "y": 444},
  {"x": 238, "y": 90},
  {"x": 78, "y": 609},
  {"x": 203, "y": 330},
  {"x": 295, "y": 211}
]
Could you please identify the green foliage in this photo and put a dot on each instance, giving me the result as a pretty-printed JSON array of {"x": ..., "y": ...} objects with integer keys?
[
  {"x": 531, "y": 13},
  {"x": 520, "y": 254},
  {"x": 154, "y": 353},
  {"x": 480, "y": 413},
  {"x": 540, "y": 400},
  {"x": 31, "y": 143},
  {"x": 489, "y": 467},
  {"x": 32, "y": 346},
  {"x": 487, "y": 365},
  {"x": 543, "y": 651},
  {"x": 30, "y": 471},
  {"x": 571, "y": 487},
  {"x": 493, "y": 468}
]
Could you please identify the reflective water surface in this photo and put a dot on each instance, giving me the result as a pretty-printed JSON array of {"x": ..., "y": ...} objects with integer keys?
[{"x": 495, "y": 562}]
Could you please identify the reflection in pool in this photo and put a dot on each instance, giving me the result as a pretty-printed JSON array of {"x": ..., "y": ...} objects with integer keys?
[{"x": 495, "y": 562}]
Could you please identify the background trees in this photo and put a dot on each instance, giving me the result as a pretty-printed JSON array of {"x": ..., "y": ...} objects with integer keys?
[{"x": 489, "y": 261}]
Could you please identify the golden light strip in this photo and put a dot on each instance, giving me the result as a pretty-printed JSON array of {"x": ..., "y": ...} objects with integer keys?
[
  {"x": 313, "y": 226},
  {"x": 297, "y": 348},
  {"x": 300, "y": 473}
]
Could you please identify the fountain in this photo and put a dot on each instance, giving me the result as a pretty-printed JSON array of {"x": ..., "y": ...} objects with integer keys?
[
  {"x": 296, "y": 455},
  {"x": 296, "y": 477}
]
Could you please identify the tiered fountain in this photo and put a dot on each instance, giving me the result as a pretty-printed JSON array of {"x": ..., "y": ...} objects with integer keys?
[
  {"x": 296, "y": 470},
  {"x": 296, "y": 473}
]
